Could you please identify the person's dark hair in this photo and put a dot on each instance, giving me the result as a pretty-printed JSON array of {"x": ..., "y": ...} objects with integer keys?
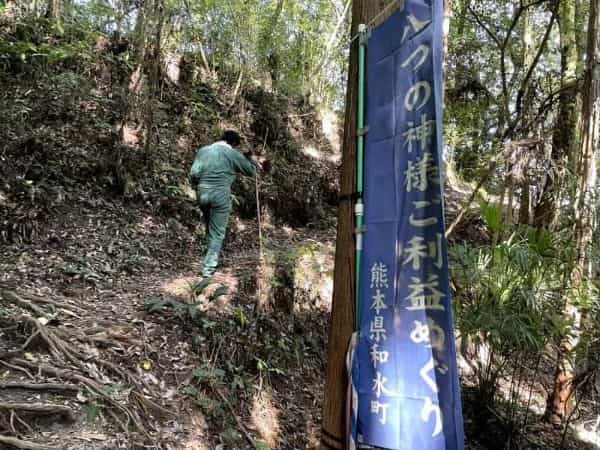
[{"x": 231, "y": 137}]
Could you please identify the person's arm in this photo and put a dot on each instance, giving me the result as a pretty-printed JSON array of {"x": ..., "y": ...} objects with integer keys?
[
  {"x": 243, "y": 164},
  {"x": 196, "y": 169}
]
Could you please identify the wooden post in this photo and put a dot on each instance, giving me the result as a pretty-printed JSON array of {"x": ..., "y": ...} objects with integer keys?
[{"x": 342, "y": 313}]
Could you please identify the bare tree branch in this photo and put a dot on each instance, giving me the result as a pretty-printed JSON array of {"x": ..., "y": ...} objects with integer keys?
[
  {"x": 482, "y": 24},
  {"x": 530, "y": 71}
]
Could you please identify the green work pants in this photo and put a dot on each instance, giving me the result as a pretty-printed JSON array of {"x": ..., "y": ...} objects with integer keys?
[{"x": 215, "y": 205}]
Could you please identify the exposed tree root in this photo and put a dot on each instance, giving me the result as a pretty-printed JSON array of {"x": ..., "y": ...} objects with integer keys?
[
  {"x": 72, "y": 362},
  {"x": 13, "y": 416},
  {"x": 26, "y": 445},
  {"x": 94, "y": 388},
  {"x": 20, "y": 369},
  {"x": 13, "y": 353},
  {"x": 95, "y": 339},
  {"x": 59, "y": 305},
  {"x": 20, "y": 301},
  {"x": 60, "y": 348},
  {"x": 40, "y": 408},
  {"x": 146, "y": 402},
  {"x": 40, "y": 386}
]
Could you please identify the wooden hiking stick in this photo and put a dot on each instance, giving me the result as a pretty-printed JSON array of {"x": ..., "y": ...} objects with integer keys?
[
  {"x": 260, "y": 250},
  {"x": 261, "y": 260}
]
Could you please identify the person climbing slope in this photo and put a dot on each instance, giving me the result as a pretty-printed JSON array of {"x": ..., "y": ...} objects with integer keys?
[{"x": 214, "y": 170}]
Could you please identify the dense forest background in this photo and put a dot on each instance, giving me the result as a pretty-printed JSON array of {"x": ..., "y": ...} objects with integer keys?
[{"x": 109, "y": 339}]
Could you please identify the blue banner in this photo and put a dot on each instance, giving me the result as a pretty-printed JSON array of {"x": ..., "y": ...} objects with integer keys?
[{"x": 404, "y": 363}]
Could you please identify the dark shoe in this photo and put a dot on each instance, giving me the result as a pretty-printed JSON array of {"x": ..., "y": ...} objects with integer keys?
[{"x": 207, "y": 272}]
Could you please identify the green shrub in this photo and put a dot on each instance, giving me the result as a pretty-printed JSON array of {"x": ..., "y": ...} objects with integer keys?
[{"x": 508, "y": 302}]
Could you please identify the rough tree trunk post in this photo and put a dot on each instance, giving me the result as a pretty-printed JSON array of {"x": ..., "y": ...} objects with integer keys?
[
  {"x": 559, "y": 401},
  {"x": 342, "y": 314}
]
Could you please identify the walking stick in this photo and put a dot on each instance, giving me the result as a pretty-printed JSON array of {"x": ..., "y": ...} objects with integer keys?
[
  {"x": 261, "y": 258},
  {"x": 260, "y": 250}
]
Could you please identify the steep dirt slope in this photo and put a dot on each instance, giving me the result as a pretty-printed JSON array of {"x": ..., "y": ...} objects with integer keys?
[{"x": 104, "y": 323}]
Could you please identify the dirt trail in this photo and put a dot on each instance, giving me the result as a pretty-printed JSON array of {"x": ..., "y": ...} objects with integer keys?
[{"x": 214, "y": 374}]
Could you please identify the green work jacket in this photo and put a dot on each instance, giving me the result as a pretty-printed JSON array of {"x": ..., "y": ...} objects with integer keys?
[{"x": 216, "y": 166}]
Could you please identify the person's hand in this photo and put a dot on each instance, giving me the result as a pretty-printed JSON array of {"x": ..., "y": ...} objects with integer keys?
[{"x": 265, "y": 164}]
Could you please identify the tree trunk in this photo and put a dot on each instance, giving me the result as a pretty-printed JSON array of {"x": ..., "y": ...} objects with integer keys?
[
  {"x": 68, "y": 8},
  {"x": 446, "y": 35},
  {"x": 524, "y": 208},
  {"x": 152, "y": 63},
  {"x": 509, "y": 207},
  {"x": 54, "y": 10},
  {"x": 137, "y": 80},
  {"x": 10, "y": 10},
  {"x": 330, "y": 47},
  {"x": 268, "y": 49},
  {"x": 559, "y": 401},
  {"x": 564, "y": 139},
  {"x": 527, "y": 59},
  {"x": 580, "y": 36},
  {"x": 139, "y": 32},
  {"x": 342, "y": 314}
]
